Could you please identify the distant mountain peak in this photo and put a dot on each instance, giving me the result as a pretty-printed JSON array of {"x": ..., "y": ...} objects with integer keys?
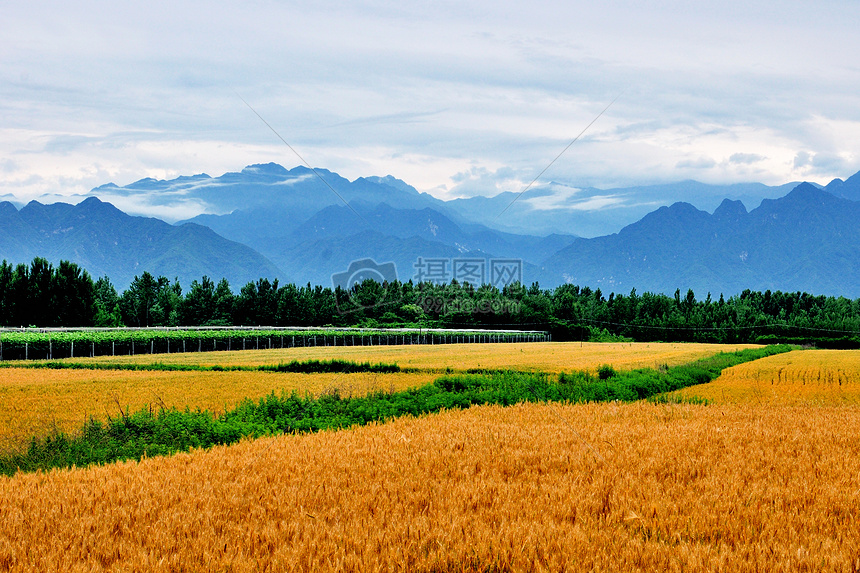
[
  {"x": 676, "y": 221},
  {"x": 681, "y": 212},
  {"x": 94, "y": 206},
  {"x": 835, "y": 184},
  {"x": 848, "y": 189},
  {"x": 193, "y": 177},
  {"x": 806, "y": 192},
  {"x": 729, "y": 209},
  {"x": 7, "y": 208},
  {"x": 392, "y": 181},
  {"x": 854, "y": 179},
  {"x": 266, "y": 169},
  {"x": 804, "y": 188},
  {"x": 683, "y": 207}
]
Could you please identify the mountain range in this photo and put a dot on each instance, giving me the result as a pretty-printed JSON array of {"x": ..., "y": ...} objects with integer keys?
[
  {"x": 808, "y": 240},
  {"x": 270, "y": 196},
  {"x": 304, "y": 226},
  {"x": 107, "y": 242}
]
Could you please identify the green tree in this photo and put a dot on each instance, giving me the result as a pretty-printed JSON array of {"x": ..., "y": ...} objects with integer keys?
[
  {"x": 198, "y": 306},
  {"x": 107, "y": 308},
  {"x": 225, "y": 304},
  {"x": 74, "y": 296},
  {"x": 292, "y": 306},
  {"x": 257, "y": 303},
  {"x": 6, "y": 305},
  {"x": 41, "y": 305},
  {"x": 140, "y": 302},
  {"x": 165, "y": 311},
  {"x": 17, "y": 300}
]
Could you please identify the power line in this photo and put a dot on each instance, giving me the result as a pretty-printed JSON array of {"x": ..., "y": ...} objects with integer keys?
[
  {"x": 302, "y": 159},
  {"x": 581, "y": 133}
]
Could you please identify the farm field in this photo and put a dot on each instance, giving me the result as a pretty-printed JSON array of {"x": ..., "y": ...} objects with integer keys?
[
  {"x": 802, "y": 378},
  {"x": 34, "y": 402},
  {"x": 764, "y": 477},
  {"x": 657, "y": 487},
  {"x": 544, "y": 356}
]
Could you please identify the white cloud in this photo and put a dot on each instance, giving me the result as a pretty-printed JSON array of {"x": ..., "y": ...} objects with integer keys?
[
  {"x": 568, "y": 199},
  {"x": 746, "y": 158},
  {"x": 177, "y": 210},
  {"x": 97, "y": 91},
  {"x": 697, "y": 163}
]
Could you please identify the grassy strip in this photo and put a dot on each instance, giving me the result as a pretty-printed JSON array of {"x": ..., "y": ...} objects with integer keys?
[
  {"x": 646, "y": 383},
  {"x": 148, "y": 433},
  {"x": 836, "y": 343},
  {"x": 307, "y": 367}
]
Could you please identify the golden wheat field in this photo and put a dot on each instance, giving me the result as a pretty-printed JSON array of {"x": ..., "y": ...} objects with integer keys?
[
  {"x": 765, "y": 478},
  {"x": 35, "y": 402},
  {"x": 543, "y": 356},
  {"x": 632, "y": 487},
  {"x": 808, "y": 377}
]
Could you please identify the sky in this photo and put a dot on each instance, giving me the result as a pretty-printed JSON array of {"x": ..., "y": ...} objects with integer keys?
[{"x": 457, "y": 98}]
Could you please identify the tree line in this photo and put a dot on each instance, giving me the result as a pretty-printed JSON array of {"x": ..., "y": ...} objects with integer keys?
[{"x": 42, "y": 295}]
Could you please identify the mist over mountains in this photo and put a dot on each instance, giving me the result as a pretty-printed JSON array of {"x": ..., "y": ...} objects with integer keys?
[
  {"x": 295, "y": 226},
  {"x": 285, "y": 198}
]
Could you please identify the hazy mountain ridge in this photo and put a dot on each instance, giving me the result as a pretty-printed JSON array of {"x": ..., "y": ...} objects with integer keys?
[
  {"x": 337, "y": 235},
  {"x": 295, "y": 228},
  {"x": 592, "y": 212},
  {"x": 105, "y": 241},
  {"x": 234, "y": 198},
  {"x": 430, "y": 225},
  {"x": 808, "y": 240},
  {"x": 848, "y": 189},
  {"x": 299, "y": 226}
]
